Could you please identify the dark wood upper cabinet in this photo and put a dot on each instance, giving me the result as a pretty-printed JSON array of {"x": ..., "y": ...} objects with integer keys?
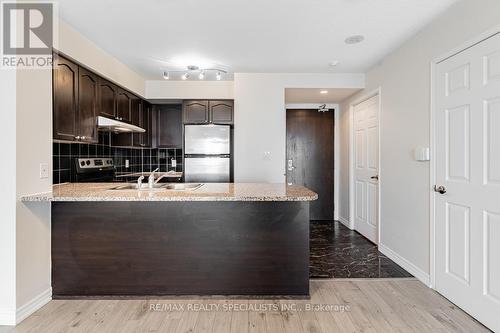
[
  {"x": 123, "y": 105},
  {"x": 195, "y": 112},
  {"x": 221, "y": 112},
  {"x": 65, "y": 98},
  {"x": 169, "y": 126},
  {"x": 87, "y": 105},
  {"x": 146, "y": 123},
  {"x": 135, "y": 110},
  {"x": 208, "y": 112},
  {"x": 107, "y": 99},
  {"x": 141, "y": 116}
]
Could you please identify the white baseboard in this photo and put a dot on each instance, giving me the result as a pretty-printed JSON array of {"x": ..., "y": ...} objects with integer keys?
[
  {"x": 34, "y": 304},
  {"x": 7, "y": 317},
  {"x": 408, "y": 266},
  {"x": 345, "y": 222}
]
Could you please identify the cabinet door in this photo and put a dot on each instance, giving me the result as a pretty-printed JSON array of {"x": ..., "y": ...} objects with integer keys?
[
  {"x": 123, "y": 105},
  {"x": 87, "y": 105},
  {"x": 146, "y": 124},
  {"x": 107, "y": 99},
  {"x": 136, "y": 119},
  {"x": 221, "y": 112},
  {"x": 195, "y": 112},
  {"x": 65, "y": 95},
  {"x": 169, "y": 122},
  {"x": 135, "y": 110}
]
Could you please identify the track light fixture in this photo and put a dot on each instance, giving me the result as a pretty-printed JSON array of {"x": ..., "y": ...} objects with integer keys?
[{"x": 201, "y": 73}]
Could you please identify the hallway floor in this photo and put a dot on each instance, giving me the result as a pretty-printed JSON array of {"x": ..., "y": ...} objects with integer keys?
[{"x": 338, "y": 252}]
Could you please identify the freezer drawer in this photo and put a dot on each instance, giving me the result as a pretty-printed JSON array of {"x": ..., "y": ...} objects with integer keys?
[
  {"x": 206, "y": 169},
  {"x": 207, "y": 139}
]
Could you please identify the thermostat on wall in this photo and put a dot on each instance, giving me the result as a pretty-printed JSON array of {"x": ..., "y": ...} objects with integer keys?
[{"x": 422, "y": 154}]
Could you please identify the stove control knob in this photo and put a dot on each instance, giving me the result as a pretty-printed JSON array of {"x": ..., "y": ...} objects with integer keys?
[
  {"x": 82, "y": 163},
  {"x": 88, "y": 162}
]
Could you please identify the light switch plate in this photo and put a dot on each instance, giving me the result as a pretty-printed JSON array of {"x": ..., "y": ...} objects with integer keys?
[
  {"x": 422, "y": 154},
  {"x": 127, "y": 164},
  {"x": 174, "y": 163},
  {"x": 44, "y": 170}
]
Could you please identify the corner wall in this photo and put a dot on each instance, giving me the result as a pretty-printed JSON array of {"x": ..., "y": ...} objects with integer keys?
[
  {"x": 404, "y": 77},
  {"x": 260, "y": 120},
  {"x": 8, "y": 199},
  {"x": 83, "y": 50}
]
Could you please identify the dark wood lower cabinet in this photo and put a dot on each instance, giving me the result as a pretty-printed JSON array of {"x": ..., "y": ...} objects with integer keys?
[{"x": 180, "y": 248}]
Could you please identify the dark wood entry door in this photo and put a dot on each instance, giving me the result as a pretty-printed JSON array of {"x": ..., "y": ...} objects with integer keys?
[{"x": 310, "y": 157}]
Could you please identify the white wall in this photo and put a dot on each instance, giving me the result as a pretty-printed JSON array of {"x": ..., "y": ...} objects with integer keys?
[
  {"x": 8, "y": 199},
  {"x": 260, "y": 120},
  {"x": 78, "y": 47},
  {"x": 156, "y": 89},
  {"x": 404, "y": 77},
  {"x": 33, "y": 146}
]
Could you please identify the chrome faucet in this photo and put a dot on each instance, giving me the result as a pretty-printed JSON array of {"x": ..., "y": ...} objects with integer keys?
[
  {"x": 139, "y": 182},
  {"x": 151, "y": 178},
  {"x": 160, "y": 178}
]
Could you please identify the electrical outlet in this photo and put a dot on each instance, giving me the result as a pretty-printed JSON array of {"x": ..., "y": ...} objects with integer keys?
[
  {"x": 127, "y": 164},
  {"x": 44, "y": 170},
  {"x": 174, "y": 163},
  {"x": 267, "y": 156}
]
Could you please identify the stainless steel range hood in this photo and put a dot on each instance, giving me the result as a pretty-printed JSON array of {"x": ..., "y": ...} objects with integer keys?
[{"x": 107, "y": 124}]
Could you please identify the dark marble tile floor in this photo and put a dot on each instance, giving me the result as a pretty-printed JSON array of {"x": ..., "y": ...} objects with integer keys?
[{"x": 338, "y": 252}]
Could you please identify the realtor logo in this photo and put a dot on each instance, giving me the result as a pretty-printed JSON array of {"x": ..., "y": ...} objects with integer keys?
[{"x": 27, "y": 34}]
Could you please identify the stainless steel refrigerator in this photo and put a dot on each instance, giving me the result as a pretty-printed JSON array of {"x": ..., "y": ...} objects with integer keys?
[{"x": 207, "y": 153}]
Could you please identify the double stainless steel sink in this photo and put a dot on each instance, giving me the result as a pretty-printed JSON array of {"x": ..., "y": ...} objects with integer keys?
[{"x": 157, "y": 187}]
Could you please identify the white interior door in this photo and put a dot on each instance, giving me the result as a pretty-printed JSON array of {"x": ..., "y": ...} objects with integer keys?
[
  {"x": 467, "y": 216},
  {"x": 366, "y": 156}
]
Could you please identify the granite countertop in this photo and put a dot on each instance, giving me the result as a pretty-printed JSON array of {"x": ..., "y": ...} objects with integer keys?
[
  {"x": 207, "y": 192},
  {"x": 169, "y": 174}
]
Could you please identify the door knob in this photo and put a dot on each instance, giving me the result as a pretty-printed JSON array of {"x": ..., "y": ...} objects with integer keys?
[
  {"x": 290, "y": 165},
  {"x": 440, "y": 189},
  {"x": 374, "y": 177}
]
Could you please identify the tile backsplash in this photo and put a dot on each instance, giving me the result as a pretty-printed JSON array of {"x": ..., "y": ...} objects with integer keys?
[{"x": 140, "y": 159}]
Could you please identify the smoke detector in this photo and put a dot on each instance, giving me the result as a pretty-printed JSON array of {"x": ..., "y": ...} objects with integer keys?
[{"x": 354, "y": 39}]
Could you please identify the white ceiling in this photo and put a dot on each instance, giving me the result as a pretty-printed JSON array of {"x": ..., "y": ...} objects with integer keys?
[
  {"x": 280, "y": 36},
  {"x": 313, "y": 95}
]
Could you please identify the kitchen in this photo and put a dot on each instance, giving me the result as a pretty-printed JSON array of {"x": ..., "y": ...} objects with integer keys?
[
  {"x": 113, "y": 152},
  {"x": 267, "y": 164}
]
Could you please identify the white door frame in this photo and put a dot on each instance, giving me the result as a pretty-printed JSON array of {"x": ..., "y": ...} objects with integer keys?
[
  {"x": 359, "y": 100},
  {"x": 432, "y": 180},
  {"x": 336, "y": 148}
]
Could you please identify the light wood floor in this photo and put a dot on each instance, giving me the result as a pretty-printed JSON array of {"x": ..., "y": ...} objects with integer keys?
[{"x": 397, "y": 305}]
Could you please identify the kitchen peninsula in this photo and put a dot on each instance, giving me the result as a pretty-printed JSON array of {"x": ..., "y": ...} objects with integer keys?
[{"x": 233, "y": 239}]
